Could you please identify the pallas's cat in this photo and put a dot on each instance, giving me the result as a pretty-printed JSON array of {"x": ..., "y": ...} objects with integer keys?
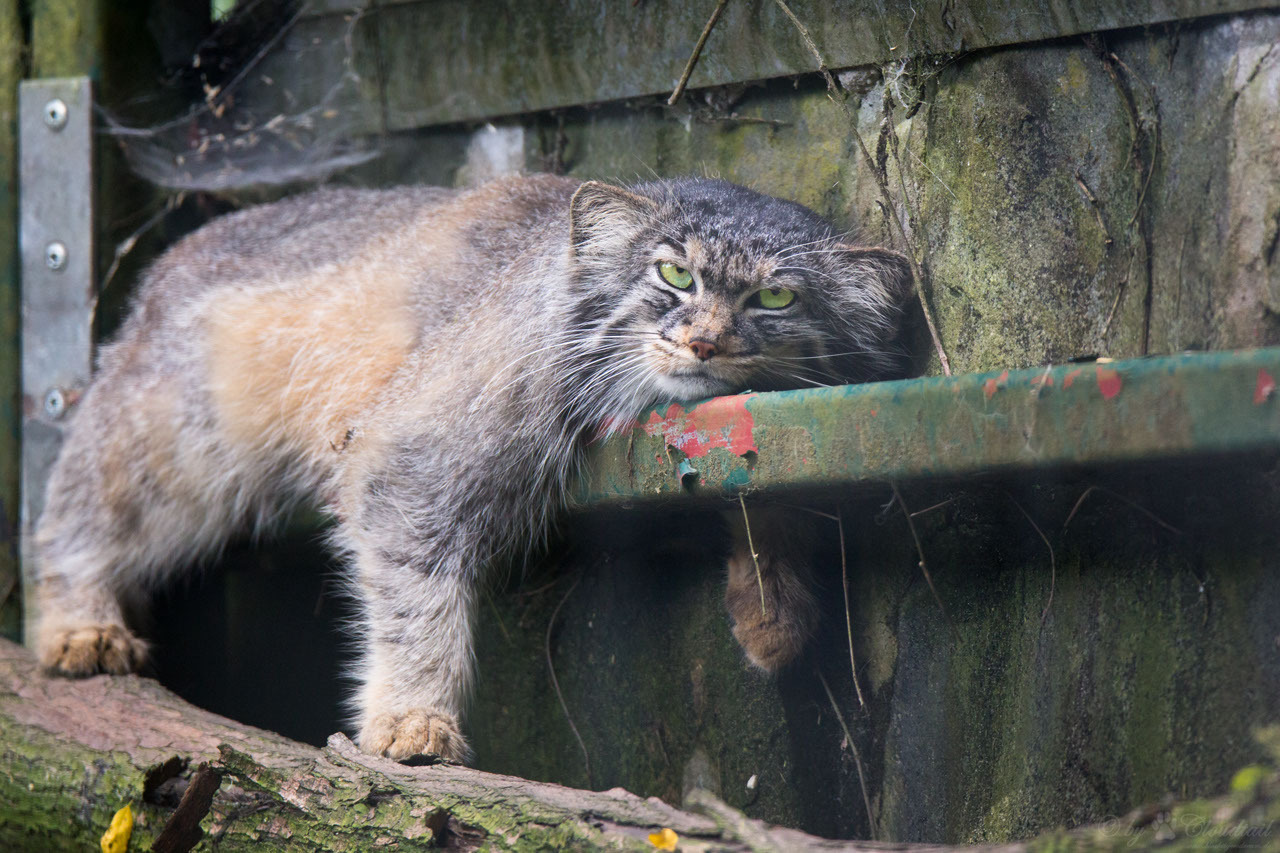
[{"x": 428, "y": 364}]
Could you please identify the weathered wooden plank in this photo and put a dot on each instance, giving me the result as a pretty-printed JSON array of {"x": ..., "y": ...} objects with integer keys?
[{"x": 460, "y": 60}]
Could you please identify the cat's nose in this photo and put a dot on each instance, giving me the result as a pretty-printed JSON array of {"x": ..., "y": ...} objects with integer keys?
[{"x": 702, "y": 349}]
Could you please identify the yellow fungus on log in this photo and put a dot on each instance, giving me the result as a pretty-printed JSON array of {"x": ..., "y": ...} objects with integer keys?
[
  {"x": 116, "y": 838},
  {"x": 665, "y": 839}
]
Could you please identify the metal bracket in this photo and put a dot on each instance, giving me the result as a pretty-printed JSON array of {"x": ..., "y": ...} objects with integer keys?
[{"x": 55, "y": 142}]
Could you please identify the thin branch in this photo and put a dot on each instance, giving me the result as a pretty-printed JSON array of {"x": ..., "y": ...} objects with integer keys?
[
  {"x": 848, "y": 618},
  {"x": 929, "y": 509},
  {"x": 857, "y": 758},
  {"x": 809, "y": 509},
  {"x": 697, "y": 52},
  {"x": 497, "y": 617},
  {"x": 555, "y": 683},
  {"x": 126, "y": 245},
  {"x": 754, "y": 557},
  {"x": 924, "y": 569},
  {"x": 1139, "y": 507},
  {"x": 1053, "y": 565},
  {"x": 838, "y": 96},
  {"x": 844, "y": 576},
  {"x": 1097, "y": 210}
]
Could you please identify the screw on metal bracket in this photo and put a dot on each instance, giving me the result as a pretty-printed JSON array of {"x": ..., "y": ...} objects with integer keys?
[
  {"x": 55, "y": 114},
  {"x": 55, "y": 403},
  {"x": 55, "y": 255}
]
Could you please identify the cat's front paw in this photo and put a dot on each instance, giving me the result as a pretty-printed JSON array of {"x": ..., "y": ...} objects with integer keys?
[
  {"x": 89, "y": 649},
  {"x": 421, "y": 731}
]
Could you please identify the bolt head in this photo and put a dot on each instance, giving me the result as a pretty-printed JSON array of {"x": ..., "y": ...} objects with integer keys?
[
  {"x": 55, "y": 255},
  {"x": 55, "y": 114},
  {"x": 55, "y": 403}
]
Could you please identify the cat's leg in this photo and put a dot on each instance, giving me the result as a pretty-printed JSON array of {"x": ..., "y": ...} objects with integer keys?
[
  {"x": 417, "y": 663},
  {"x": 89, "y": 556},
  {"x": 769, "y": 595},
  {"x": 137, "y": 492}
]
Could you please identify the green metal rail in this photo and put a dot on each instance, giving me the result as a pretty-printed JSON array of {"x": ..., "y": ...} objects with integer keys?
[{"x": 1098, "y": 412}]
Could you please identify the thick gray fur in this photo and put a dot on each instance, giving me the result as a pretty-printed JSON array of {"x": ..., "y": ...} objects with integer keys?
[{"x": 426, "y": 363}]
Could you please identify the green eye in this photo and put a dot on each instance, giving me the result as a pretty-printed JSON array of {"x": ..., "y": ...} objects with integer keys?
[
  {"x": 675, "y": 276},
  {"x": 769, "y": 298}
]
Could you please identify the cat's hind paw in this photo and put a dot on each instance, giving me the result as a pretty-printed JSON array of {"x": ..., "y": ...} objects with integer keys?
[
  {"x": 89, "y": 649},
  {"x": 421, "y": 731}
]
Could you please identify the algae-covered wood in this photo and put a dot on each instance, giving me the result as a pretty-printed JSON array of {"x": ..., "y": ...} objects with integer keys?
[{"x": 422, "y": 63}]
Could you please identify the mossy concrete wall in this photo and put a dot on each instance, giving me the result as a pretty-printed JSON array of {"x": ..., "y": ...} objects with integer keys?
[
  {"x": 1112, "y": 196},
  {"x": 1132, "y": 664},
  {"x": 1049, "y": 188}
]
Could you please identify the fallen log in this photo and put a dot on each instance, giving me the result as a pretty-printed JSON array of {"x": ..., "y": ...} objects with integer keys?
[{"x": 73, "y": 753}]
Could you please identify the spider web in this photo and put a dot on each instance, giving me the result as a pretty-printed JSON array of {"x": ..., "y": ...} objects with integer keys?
[{"x": 225, "y": 142}]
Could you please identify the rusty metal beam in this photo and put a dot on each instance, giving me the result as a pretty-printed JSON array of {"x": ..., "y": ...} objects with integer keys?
[{"x": 1075, "y": 414}]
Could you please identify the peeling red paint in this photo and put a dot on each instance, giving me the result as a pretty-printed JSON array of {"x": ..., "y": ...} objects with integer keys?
[
  {"x": 720, "y": 422},
  {"x": 1109, "y": 382},
  {"x": 990, "y": 387},
  {"x": 1046, "y": 379},
  {"x": 1266, "y": 387},
  {"x": 1071, "y": 377}
]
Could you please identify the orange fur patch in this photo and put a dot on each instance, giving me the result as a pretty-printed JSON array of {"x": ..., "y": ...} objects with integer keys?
[{"x": 298, "y": 364}]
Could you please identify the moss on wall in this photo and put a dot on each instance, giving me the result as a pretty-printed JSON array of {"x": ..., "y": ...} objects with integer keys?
[
  {"x": 1076, "y": 197},
  {"x": 1142, "y": 674},
  {"x": 1049, "y": 187}
]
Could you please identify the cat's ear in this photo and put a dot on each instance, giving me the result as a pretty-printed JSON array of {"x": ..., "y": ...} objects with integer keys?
[
  {"x": 883, "y": 275},
  {"x": 604, "y": 219}
]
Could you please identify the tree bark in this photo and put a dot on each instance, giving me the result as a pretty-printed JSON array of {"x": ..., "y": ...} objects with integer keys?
[{"x": 74, "y": 752}]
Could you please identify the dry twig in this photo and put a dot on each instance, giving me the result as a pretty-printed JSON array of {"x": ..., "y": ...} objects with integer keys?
[
  {"x": 838, "y": 96},
  {"x": 754, "y": 557},
  {"x": 924, "y": 569},
  {"x": 848, "y": 617},
  {"x": 1097, "y": 210},
  {"x": 125, "y": 246},
  {"x": 1053, "y": 564},
  {"x": 844, "y": 585},
  {"x": 857, "y": 757},
  {"x": 1139, "y": 507},
  {"x": 697, "y": 52},
  {"x": 930, "y": 509},
  {"x": 555, "y": 683}
]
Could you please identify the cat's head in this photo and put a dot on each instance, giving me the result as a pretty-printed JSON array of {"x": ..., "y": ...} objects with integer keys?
[{"x": 703, "y": 287}]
